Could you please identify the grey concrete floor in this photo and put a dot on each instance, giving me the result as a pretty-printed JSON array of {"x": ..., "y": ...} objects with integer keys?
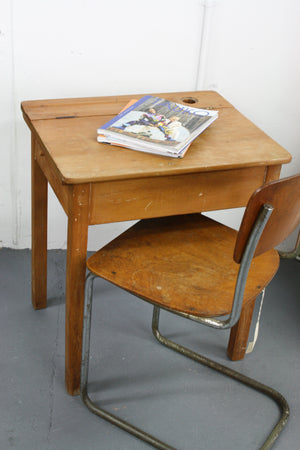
[{"x": 184, "y": 404}]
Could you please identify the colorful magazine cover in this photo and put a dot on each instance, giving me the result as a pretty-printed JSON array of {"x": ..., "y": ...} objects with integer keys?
[{"x": 155, "y": 125}]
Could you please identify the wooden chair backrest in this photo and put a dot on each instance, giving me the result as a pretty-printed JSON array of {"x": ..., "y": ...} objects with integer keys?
[{"x": 284, "y": 196}]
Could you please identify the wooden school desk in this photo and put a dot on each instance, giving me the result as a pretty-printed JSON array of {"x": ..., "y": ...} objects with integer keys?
[{"x": 97, "y": 183}]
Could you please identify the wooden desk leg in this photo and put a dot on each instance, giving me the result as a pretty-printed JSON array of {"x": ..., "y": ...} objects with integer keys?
[
  {"x": 239, "y": 334},
  {"x": 75, "y": 281},
  {"x": 272, "y": 173},
  {"x": 39, "y": 205}
]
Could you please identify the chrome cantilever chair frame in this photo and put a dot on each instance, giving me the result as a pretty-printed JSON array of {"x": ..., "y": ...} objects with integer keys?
[{"x": 248, "y": 253}]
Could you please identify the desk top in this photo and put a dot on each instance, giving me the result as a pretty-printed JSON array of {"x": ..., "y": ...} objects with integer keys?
[{"x": 67, "y": 131}]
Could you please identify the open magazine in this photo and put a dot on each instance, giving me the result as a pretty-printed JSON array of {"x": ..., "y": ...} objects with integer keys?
[{"x": 155, "y": 125}]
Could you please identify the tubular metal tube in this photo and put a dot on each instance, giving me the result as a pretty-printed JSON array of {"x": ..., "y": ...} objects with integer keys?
[
  {"x": 84, "y": 377},
  {"x": 254, "y": 384}
]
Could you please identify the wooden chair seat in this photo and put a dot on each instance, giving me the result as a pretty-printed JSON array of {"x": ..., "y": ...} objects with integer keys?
[{"x": 197, "y": 276}]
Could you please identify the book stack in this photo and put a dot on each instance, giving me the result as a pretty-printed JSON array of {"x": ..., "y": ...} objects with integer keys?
[{"x": 154, "y": 125}]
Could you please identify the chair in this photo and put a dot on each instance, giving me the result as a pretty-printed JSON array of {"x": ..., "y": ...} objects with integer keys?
[{"x": 197, "y": 268}]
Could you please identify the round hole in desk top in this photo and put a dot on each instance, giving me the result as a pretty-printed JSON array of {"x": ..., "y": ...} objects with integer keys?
[{"x": 189, "y": 100}]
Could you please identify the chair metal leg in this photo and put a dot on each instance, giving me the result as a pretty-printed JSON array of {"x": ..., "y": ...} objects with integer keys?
[
  {"x": 276, "y": 396},
  {"x": 84, "y": 377},
  {"x": 196, "y": 357}
]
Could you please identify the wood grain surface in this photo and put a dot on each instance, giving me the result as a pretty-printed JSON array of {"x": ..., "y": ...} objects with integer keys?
[{"x": 230, "y": 142}]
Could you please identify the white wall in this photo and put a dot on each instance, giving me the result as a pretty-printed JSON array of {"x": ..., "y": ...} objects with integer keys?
[
  {"x": 254, "y": 62},
  {"x": 7, "y": 147},
  {"x": 246, "y": 50}
]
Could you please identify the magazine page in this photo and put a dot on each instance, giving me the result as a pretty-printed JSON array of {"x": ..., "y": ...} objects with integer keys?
[
  {"x": 153, "y": 121},
  {"x": 154, "y": 150}
]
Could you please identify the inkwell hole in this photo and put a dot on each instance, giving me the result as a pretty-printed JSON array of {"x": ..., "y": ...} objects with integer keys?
[{"x": 189, "y": 100}]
